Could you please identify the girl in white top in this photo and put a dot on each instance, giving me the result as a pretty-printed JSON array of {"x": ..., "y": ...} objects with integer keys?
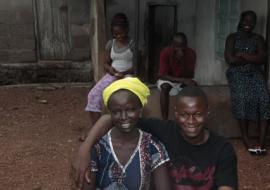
[{"x": 118, "y": 64}]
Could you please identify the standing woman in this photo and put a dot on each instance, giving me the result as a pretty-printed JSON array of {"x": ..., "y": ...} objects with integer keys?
[
  {"x": 245, "y": 52},
  {"x": 118, "y": 64}
]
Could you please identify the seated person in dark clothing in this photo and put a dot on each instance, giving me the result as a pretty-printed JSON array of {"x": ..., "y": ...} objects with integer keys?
[
  {"x": 176, "y": 70},
  {"x": 199, "y": 158}
]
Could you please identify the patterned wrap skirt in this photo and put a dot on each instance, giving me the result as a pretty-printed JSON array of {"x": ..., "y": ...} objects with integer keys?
[
  {"x": 249, "y": 94},
  {"x": 94, "y": 99}
]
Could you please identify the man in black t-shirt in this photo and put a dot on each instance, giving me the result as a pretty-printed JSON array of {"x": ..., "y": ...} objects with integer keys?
[
  {"x": 204, "y": 162},
  {"x": 199, "y": 159}
]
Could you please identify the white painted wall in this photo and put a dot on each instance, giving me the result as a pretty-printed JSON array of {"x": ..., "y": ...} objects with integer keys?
[
  {"x": 197, "y": 20},
  {"x": 210, "y": 70}
]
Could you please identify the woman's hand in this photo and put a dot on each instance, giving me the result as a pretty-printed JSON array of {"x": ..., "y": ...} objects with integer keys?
[
  {"x": 119, "y": 75},
  {"x": 112, "y": 71},
  {"x": 239, "y": 55},
  {"x": 81, "y": 165}
]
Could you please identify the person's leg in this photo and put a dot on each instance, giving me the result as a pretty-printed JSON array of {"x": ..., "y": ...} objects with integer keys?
[
  {"x": 165, "y": 100},
  {"x": 95, "y": 103},
  {"x": 263, "y": 131},
  {"x": 243, "y": 123}
]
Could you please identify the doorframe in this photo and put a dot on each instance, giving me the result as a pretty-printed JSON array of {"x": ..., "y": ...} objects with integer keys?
[
  {"x": 98, "y": 36},
  {"x": 36, "y": 30},
  {"x": 267, "y": 71},
  {"x": 149, "y": 4}
]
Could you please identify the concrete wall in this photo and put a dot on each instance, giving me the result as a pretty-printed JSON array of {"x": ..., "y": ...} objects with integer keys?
[
  {"x": 210, "y": 70},
  {"x": 80, "y": 29},
  {"x": 17, "y": 41},
  {"x": 19, "y": 54}
]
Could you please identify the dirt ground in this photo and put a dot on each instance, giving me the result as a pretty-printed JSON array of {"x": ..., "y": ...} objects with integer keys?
[{"x": 39, "y": 130}]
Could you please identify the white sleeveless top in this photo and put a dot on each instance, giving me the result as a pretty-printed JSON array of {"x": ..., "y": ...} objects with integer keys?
[{"x": 121, "y": 60}]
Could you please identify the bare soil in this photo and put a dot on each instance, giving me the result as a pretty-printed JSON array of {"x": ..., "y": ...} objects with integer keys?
[{"x": 39, "y": 130}]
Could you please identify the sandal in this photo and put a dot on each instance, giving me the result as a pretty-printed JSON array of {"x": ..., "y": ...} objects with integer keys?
[{"x": 257, "y": 151}]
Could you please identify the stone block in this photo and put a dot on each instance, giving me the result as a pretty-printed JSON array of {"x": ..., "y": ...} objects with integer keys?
[
  {"x": 22, "y": 56},
  {"x": 4, "y": 56},
  {"x": 18, "y": 73},
  {"x": 22, "y": 43},
  {"x": 79, "y": 11},
  {"x": 4, "y": 30},
  {"x": 80, "y": 30},
  {"x": 25, "y": 30},
  {"x": 24, "y": 16},
  {"x": 5, "y": 17},
  {"x": 4, "y": 43},
  {"x": 81, "y": 42},
  {"x": 15, "y": 4},
  {"x": 80, "y": 54}
]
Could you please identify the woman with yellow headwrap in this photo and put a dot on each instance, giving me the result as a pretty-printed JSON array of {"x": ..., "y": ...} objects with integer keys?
[{"x": 126, "y": 156}]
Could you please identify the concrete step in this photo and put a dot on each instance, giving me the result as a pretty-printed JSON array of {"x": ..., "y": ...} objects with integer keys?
[{"x": 220, "y": 120}]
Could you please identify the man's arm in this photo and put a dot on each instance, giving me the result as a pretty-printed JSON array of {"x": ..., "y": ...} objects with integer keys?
[
  {"x": 186, "y": 81},
  {"x": 99, "y": 129},
  {"x": 161, "y": 178},
  {"x": 161, "y": 129},
  {"x": 225, "y": 188}
]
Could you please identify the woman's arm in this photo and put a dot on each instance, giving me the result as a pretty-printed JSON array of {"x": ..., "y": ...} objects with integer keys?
[
  {"x": 260, "y": 57},
  {"x": 99, "y": 129},
  {"x": 161, "y": 178},
  {"x": 107, "y": 66},
  {"x": 225, "y": 188},
  {"x": 230, "y": 54}
]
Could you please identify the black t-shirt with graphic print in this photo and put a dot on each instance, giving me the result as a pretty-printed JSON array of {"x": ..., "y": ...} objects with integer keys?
[{"x": 201, "y": 167}]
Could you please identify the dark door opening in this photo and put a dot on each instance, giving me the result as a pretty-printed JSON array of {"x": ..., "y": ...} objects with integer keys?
[{"x": 162, "y": 26}]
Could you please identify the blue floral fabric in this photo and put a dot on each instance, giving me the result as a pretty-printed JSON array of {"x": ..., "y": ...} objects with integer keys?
[{"x": 136, "y": 173}]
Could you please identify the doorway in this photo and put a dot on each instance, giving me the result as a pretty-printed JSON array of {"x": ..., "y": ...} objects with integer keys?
[{"x": 162, "y": 26}]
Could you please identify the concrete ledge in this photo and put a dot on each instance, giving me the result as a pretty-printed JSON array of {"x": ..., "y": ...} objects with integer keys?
[
  {"x": 221, "y": 119},
  {"x": 45, "y": 72}
]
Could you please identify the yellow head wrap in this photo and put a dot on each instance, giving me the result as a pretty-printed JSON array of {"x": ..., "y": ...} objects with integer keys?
[{"x": 132, "y": 84}]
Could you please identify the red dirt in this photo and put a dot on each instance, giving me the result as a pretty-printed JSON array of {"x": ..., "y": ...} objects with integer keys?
[{"x": 39, "y": 128}]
